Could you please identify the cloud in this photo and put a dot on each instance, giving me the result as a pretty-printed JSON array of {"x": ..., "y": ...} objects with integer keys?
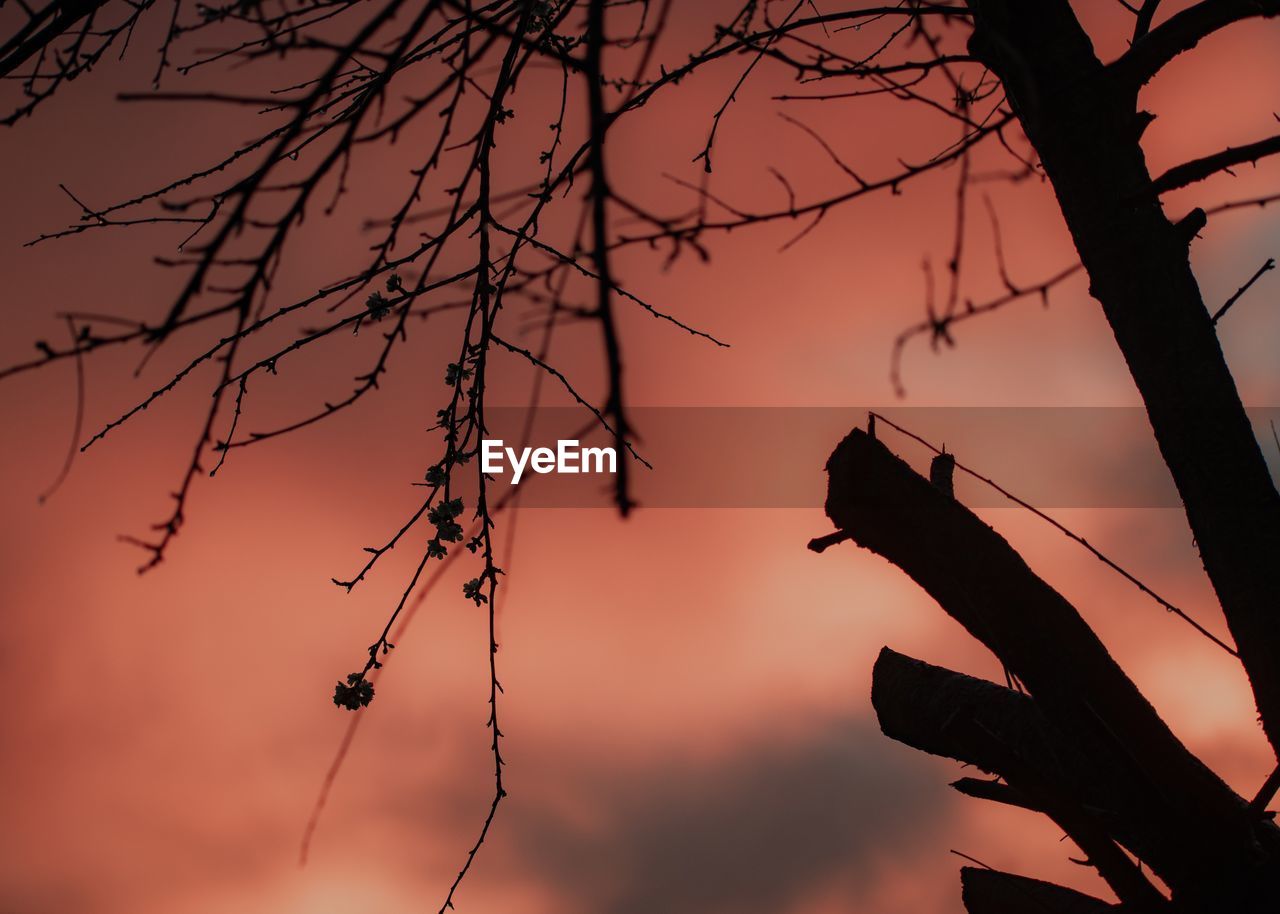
[{"x": 750, "y": 833}]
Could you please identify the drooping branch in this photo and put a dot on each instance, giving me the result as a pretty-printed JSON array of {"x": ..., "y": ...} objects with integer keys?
[{"x": 615, "y": 406}]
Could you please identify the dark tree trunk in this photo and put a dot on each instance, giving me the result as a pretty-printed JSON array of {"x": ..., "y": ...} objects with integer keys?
[
  {"x": 1084, "y": 747},
  {"x": 1082, "y": 119}
]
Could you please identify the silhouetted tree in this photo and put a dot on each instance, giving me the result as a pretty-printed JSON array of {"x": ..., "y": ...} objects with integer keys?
[{"x": 1071, "y": 736}]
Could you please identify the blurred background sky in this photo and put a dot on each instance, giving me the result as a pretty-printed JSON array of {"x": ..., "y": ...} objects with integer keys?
[{"x": 687, "y": 692}]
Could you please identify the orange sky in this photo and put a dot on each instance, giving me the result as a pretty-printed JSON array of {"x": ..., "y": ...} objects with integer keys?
[{"x": 686, "y": 711}]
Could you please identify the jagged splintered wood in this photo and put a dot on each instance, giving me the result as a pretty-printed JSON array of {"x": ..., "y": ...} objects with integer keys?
[
  {"x": 1085, "y": 746},
  {"x": 1003, "y": 732}
]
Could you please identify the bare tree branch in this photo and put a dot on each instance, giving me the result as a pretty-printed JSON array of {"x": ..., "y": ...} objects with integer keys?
[
  {"x": 1181, "y": 32},
  {"x": 1199, "y": 169}
]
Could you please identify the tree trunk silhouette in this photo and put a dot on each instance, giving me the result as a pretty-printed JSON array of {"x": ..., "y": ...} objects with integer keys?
[
  {"x": 1082, "y": 119},
  {"x": 1084, "y": 746}
]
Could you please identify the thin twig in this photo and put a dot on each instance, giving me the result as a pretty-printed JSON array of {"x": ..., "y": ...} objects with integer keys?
[
  {"x": 1181, "y": 614},
  {"x": 1269, "y": 265}
]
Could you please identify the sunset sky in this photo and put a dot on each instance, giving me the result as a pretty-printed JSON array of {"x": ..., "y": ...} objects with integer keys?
[{"x": 686, "y": 711}]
